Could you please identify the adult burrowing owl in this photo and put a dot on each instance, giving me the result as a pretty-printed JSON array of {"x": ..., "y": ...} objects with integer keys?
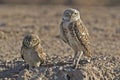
[
  {"x": 31, "y": 51},
  {"x": 74, "y": 33}
]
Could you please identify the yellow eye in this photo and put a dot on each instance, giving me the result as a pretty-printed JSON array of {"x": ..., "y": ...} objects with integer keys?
[{"x": 34, "y": 40}]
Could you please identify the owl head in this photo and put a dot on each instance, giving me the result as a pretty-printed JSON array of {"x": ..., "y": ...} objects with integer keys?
[
  {"x": 31, "y": 40},
  {"x": 70, "y": 15}
]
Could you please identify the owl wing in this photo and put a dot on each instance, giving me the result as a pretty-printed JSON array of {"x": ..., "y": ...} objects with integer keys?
[
  {"x": 42, "y": 56},
  {"x": 82, "y": 36},
  {"x": 63, "y": 33}
]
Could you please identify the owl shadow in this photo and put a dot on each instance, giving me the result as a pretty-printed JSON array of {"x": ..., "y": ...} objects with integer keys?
[
  {"x": 68, "y": 63},
  {"x": 12, "y": 68},
  {"x": 56, "y": 64}
]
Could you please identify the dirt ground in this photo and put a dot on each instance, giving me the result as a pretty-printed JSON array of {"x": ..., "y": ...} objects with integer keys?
[{"x": 103, "y": 24}]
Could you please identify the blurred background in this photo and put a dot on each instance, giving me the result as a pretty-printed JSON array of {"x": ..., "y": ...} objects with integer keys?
[{"x": 66, "y": 2}]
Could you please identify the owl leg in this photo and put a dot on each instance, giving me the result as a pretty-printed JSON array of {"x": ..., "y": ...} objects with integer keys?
[
  {"x": 75, "y": 58},
  {"x": 79, "y": 57}
]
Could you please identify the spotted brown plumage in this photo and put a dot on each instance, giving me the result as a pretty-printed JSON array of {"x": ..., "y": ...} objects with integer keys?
[{"x": 82, "y": 35}]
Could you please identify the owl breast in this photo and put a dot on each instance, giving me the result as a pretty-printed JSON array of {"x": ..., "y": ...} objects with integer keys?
[
  {"x": 72, "y": 41},
  {"x": 31, "y": 58}
]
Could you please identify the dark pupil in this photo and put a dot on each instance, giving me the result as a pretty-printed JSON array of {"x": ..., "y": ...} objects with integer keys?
[
  {"x": 34, "y": 40},
  {"x": 75, "y": 13}
]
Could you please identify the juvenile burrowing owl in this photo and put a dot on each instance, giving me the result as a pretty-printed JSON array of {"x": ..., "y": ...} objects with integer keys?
[
  {"x": 31, "y": 51},
  {"x": 75, "y": 34}
]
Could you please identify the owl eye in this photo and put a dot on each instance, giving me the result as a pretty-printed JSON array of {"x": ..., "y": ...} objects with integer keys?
[
  {"x": 34, "y": 40},
  {"x": 75, "y": 13}
]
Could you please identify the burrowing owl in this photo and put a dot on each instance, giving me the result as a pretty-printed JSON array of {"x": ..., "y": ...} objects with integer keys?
[
  {"x": 74, "y": 33},
  {"x": 31, "y": 50}
]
